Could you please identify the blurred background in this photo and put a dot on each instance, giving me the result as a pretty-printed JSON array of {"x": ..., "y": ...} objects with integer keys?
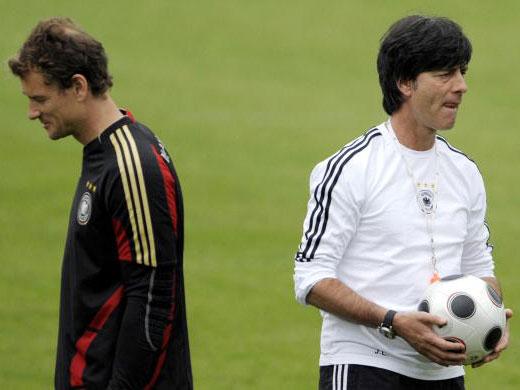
[{"x": 248, "y": 96}]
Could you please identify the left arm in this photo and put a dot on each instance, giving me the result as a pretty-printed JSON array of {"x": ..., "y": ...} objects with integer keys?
[
  {"x": 493, "y": 282},
  {"x": 148, "y": 294},
  {"x": 477, "y": 256},
  {"x": 504, "y": 341},
  {"x": 151, "y": 224}
]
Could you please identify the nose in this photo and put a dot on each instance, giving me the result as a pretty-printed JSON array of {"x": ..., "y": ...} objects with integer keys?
[
  {"x": 460, "y": 85},
  {"x": 33, "y": 112}
]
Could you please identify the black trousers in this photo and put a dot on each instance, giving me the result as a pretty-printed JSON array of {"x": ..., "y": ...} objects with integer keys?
[{"x": 357, "y": 377}]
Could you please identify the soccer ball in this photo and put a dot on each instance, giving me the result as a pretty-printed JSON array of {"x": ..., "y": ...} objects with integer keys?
[{"x": 474, "y": 312}]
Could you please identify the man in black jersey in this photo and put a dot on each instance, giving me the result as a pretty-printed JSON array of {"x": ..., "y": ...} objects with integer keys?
[{"x": 122, "y": 311}]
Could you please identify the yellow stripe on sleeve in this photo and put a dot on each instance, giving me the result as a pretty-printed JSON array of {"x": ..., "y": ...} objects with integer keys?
[
  {"x": 146, "y": 207},
  {"x": 131, "y": 212},
  {"x": 134, "y": 189}
]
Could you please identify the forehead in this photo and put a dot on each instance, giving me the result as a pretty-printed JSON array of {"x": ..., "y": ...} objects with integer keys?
[
  {"x": 34, "y": 84},
  {"x": 462, "y": 67}
]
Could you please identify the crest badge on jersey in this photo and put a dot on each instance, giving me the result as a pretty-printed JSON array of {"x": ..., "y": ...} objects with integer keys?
[
  {"x": 84, "y": 208},
  {"x": 426, "y": 201}
]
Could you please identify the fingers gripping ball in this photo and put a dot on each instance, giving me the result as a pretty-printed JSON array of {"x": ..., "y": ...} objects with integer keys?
[{"x": 474, "y": 312}]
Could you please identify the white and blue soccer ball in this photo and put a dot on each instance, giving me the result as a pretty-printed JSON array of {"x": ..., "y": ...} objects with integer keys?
[{"x": 474, "y": 312}]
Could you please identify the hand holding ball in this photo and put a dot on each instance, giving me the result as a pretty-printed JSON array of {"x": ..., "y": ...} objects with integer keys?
[{"x": 474, "y": 312}]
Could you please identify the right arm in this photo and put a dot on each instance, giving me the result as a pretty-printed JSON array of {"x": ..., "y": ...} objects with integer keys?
[{"x": 333, "y": 296}]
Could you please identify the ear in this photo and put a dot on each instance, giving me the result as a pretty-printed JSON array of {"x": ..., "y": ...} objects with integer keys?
[
  {"x": 406, "y": 87},
  {"x": 80, "y": 87}
]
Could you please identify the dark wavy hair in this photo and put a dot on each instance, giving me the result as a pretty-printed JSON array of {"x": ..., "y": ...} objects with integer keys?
[
  {"x": 59, "y": 49},
  {"x": 416, "y": 44}
]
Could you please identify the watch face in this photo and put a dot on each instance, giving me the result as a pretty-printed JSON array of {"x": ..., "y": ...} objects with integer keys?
[{"x": 387, "y": 332}]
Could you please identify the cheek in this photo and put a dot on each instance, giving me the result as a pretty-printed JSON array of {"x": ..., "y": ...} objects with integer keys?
[
  {"x": 423, "y": 103},
  {"x": 431, "y": 103},
  {"x": 58, "y": 113}
]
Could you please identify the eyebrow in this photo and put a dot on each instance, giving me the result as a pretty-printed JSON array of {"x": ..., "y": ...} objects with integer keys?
[{"x": 33, "y": 96}]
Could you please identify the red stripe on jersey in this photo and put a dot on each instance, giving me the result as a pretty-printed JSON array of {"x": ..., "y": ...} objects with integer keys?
[
  {"x": 160, "y": 363},
  {"x": 79, "y": 362},
  {"x": 169, "y": 188},
  {"x": 123, "y": 244},
  {"x": 129, "y": 114},
  {"x": 166, "y": 338}
]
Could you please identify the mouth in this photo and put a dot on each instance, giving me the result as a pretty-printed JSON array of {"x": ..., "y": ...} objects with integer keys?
[{"x": 451, "y": 105}]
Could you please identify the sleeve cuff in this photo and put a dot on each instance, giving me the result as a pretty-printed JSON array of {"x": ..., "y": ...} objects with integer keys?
[{"x": 304, "y": 283}]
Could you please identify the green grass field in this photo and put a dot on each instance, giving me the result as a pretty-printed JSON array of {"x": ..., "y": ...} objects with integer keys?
[{"x": 248, "y": 96}]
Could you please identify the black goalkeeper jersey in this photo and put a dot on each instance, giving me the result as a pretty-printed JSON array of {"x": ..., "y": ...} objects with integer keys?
[{"x": 122, "y": 312}]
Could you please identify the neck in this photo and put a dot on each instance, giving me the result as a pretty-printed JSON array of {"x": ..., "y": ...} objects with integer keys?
[
  {"x": 412, "y": 134},
  {"x": 100, "y": 112}
]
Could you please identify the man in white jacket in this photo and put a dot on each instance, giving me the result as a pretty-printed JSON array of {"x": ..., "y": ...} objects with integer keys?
[{"x": 389, "y": 213}]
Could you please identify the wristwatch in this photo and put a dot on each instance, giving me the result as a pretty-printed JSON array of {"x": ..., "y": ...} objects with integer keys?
[{"x": 386, "y": 328}]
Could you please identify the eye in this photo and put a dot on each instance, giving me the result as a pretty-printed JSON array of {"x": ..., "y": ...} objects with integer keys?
[
  {"x": 38, "y": 99},
  {"x": 445, "y": 74}
]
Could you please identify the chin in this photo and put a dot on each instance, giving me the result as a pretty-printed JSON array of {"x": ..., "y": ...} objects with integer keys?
[
  {"x": 56, "y": 136},
  {"x": 445, "y": 128},
  {"x": 448, "y": 125},
  {"x": 53, "y": 135}
]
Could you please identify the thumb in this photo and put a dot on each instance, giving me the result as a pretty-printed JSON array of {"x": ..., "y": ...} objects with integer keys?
[{"x": 437, "y": 320}]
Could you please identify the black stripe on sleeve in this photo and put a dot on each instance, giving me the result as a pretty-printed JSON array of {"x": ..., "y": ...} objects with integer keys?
[{"x": 323, "y": 193}]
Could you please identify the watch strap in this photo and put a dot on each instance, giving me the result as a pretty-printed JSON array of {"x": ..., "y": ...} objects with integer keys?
[
  {"x": 389, "y": 319},
  {"x": 386, "y": 328}
]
